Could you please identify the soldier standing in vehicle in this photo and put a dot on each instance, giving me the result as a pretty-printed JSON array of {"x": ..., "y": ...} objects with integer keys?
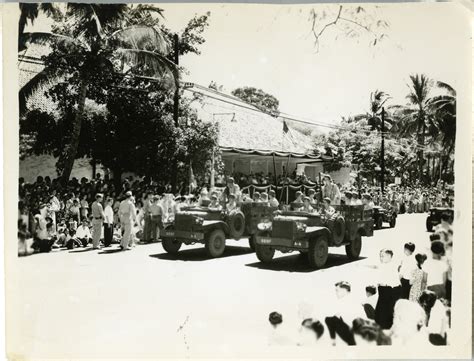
[
  {"x": 328, "y": 210},
  {"x": 231, "y": 188},
  {"x": 331, "y": 190}
]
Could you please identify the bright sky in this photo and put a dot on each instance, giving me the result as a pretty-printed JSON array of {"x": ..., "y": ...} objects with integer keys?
[{"x": 271, "y": 47}]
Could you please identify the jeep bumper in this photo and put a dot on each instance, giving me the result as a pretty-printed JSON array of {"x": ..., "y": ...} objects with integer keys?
[
  {"x": 281, "y": 242},
  {"x": 172, "y": 233}
]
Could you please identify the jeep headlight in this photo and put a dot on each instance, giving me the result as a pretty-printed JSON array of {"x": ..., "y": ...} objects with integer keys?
[
  {"x": 199, "y": 220},
  {"x": 264, "y": 226},
  {"x": 300, "y": 226}
]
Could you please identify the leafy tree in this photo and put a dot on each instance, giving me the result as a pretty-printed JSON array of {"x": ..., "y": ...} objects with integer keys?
[
  {"x": 258, "y": 98},
  {"x": 89, "y": 47},
  {"x": 29, "y": 12}
]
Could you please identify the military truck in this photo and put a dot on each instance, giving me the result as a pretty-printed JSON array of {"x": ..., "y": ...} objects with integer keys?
[
  {"x": 213, "y": 227},
  {"x": 312, "y": 233},
  {"x": 382, "y": 215},
  {"x": 434, "y": 217}
]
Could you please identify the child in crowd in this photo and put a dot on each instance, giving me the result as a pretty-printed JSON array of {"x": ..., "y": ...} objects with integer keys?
[
  {"x": 83, "y": 233},
  {"x": 406, "y": 268}
]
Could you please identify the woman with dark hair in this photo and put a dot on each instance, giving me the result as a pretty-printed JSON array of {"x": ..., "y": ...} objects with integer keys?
[{"x": 419, "y": 278}]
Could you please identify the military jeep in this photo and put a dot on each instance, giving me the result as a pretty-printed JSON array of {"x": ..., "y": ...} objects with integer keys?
[
  {"x": 213, "y": 227},
  {"x": 312, "y": 233},
  {"x": 382, "y": 215},
  {"x": 434, "y": 217}
]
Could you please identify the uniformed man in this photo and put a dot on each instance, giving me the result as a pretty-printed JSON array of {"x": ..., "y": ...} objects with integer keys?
[
  {"x": 232, "y": 204},
  {"x": 127, "y": 214},
  {"x": 348, "y": 198},
  {"x": 355, "y": 199},
  {"x": 331, "y": 190},
  {"x": 256, "y": 196},
  {"x": 215, "y": 205},
  {"x": 232, "y": 188},
  {"x": 328, "y": 210},
  {"x": 312, "y": 196},
  {"x": 98, "y": 217},
  {"x": 299, "y": 197},
  {"x": 264, "y": 198},
  {"x": 204, "y": 197},
  {"x": 367, "y": 201},
  {"x": 272, "y": 199},
  {"x": 307, "y": 207},
  {"x": 147, "y": 218}
]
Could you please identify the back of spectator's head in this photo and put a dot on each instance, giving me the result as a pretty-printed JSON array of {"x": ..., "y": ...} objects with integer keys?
[
  {"x": 314, "y": 325},
  {"x": 371, "y": 290},
  {"x": 437, "y": 248},
  {"x": 386, "y": 251},
  {"x": 410, "y": 247},
  {"x": 427, "y": 299},
  {"x": 275, "y": 318},
  {"x": 445, "y": 217},
  {"x": 435, "y": 237},
  {"x": 420, "y": 259}
]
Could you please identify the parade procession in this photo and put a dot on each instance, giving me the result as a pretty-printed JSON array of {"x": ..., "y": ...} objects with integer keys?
[{"x": 216, "y": 218}]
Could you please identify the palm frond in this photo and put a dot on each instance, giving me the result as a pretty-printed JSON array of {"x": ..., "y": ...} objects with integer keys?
[
  {"x": 142, "y": 38},
  {"x": 446, "y": 86},
  {"x": 143, "y": 8},
  {"x": 157, "y": 64},
  {"x": 43, "y": 79},
  {"x": 41, "y": 38}
]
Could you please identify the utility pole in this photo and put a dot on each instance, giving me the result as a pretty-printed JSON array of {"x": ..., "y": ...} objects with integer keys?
[
  {"x": 174, "y": 171},
  {"x": 382, "y": 154}
]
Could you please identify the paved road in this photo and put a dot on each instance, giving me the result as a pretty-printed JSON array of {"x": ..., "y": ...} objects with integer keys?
[{"x": 144, "y": 302}]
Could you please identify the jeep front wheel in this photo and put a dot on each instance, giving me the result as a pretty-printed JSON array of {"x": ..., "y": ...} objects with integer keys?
[
  {"x": 353, "y": 249},
  {"x": 215, "y": 243},
  {"x": 171, "y": 245},
  {"x": 252, "y": 242},
  {"x": 378, "y": 223},
  {"x": 393, "y": 222},
  {"x": 264, "y": 253},
  {"x": 318, "y": 252}
]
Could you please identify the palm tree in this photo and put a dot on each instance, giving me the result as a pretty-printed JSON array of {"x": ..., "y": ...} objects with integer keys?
[
  {"x": 416, "y": 117},
  {"x": 443, "y": 129},
  {"x": 96, "y": 42},
  {"x": 373, "y": 117},
  {"x": 30, "y": 11}
]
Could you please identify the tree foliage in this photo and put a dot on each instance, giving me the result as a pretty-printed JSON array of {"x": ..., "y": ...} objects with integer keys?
[{"x": 258, "y": 98}]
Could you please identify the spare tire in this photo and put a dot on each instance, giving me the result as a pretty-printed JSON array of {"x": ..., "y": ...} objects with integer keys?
[
  {"x": 337, "y": 226},
  {"x": 236, "y": 223}
]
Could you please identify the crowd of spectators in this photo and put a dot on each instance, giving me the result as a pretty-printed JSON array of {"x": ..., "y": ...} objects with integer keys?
[{"x": 409, "y": 305}]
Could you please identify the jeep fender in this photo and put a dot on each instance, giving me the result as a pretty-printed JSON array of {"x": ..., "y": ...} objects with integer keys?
[
  {"x": 314, "y": 232},
  {"x": 209, "y": 226}
]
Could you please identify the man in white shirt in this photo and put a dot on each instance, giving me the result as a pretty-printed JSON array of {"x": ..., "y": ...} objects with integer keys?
[
  {"x": 437, "y": 270},
  {"x": 128, "y": 216},
  {"x": 108, "y": 222},
  {"x": 406, "y": 268},
  {"x": 83, "y": 233},
  {"x": 345, "y": 311},
  {"x": 272, "y": 199}
]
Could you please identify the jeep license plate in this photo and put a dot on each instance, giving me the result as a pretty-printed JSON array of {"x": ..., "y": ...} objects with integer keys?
[
  {"x": 168, "y": 233},
  {"x": 265, "y": 240}
]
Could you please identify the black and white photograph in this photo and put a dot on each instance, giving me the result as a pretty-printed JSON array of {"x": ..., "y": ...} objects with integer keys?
[{"x": 211, "y": 180}]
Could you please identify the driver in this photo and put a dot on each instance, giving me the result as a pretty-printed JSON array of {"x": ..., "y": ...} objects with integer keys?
[
  {"x": 232, "y": 204},
  {"x": 328, "y": 210},
  {"x": 214, "y": 205},
  {"x": 307, "y": 207}
]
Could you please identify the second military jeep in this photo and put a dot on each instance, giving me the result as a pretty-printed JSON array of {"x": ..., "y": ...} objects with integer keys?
[
  {"x": 213, "y": 227},
  {"x": 435, "y": 217},
  {"x": 382, "y": 215},
  {"x": 312, "y": 234}
]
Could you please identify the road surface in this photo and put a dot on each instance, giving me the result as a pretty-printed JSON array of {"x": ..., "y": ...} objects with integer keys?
[{"x": 146, "y": 303}]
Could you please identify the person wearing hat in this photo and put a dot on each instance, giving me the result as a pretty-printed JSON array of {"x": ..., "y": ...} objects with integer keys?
[
  {"x": 127, "y": 214},
  {"x": 98, "y": 217},
  {"x": 256, "y": 196},
  {"x": 328, "y": 210},
  {"x": 231, "y": 204},
  {"x": 307, "y": 207},
  {"x": 331, "y": 190},
  {"x": 264, "y": 198},
  {"x": 214, "y": 205},
  {"x": 299, "y": 197},
  {"x": 355, "y": 199},
  {"x": 312, "y": 196},
  {"x": 367, "y": 201},
  {"x": 272, "y": 199},
  {"x": 231, "y": 188},
  {"x": 156, "y": 212},
  {"x": 203, "y": 197},
  {"x": 348, "y": 198}
]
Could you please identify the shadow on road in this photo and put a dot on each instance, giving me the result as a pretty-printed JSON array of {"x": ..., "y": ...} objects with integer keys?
[
  {"x": 111, "y": 251},
  {"x": 299, "y": 263},
  {"x": 80, "y": 250},
  {"x": 199, "y": 254}
]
